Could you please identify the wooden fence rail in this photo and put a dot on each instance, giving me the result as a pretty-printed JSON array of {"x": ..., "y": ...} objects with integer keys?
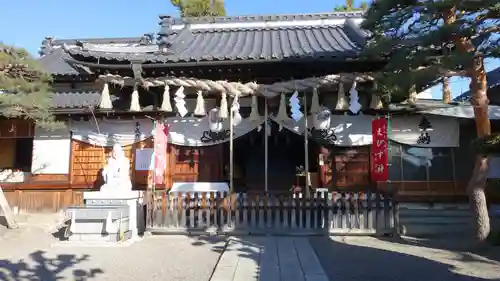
[{"x": 339, "y": 213}]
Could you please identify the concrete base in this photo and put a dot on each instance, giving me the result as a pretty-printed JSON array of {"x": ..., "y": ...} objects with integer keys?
[
  {"x": 419, "y": 220},
  {"x": 97, "y": 237},
  {"x": 133, "y": 199},
  {"x": 107, "y": 217}
]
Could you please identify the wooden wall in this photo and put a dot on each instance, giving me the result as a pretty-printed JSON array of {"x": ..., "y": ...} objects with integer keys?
[{"x": 52, "y": 193}]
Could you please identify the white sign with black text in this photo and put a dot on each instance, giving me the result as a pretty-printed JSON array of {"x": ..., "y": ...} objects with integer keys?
[{"x": 144, "y": 159}]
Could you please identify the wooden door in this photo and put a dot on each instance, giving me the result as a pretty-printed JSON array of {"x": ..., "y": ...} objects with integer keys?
[
  {"x": 190, "y": 164},
  {"x": 346, "y": 168}
]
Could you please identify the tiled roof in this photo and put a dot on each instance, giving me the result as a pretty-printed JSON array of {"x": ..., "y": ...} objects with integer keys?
[
  {"x": 52, "y": 56},
  {"x": 260, "y": 43},
  {"x": 55, "y": 64},
  {"x": 493, "y": 78}
]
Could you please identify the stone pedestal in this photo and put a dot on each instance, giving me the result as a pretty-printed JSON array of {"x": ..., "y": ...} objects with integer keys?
[
  {"x": 107, "y": 216},
  {"x": 133, "y": 199}
]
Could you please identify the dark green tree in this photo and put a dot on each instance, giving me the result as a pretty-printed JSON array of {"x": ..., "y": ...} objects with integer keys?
[
  {"x": 350, "y": 7},
  {"x": 25, "y": 90},
  {"x": 200, "y": 8},
  {"x": 428, "y": 41}
]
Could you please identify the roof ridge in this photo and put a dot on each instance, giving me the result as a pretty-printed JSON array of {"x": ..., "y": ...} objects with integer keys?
[
  {"x": 50, "y": 43},
  {"x": 250, "y": 18},
  {"x": 101, "y": 40}
]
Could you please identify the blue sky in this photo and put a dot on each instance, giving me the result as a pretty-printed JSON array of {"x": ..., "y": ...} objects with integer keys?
[{"x": 25, "y": 23}]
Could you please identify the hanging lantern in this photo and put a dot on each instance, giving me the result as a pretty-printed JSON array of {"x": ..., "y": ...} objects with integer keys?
[
  {"x": 216, "y": 133},
  {"x": 321, "y": 131},
  {"x": 322, "y": 119},
  {"x": 214, "y": 121}
]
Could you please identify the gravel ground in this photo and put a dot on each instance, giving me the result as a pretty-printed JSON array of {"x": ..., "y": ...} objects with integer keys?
[
  {"x": 372, "y": 259},
  {"x": 32, "y": 253}
]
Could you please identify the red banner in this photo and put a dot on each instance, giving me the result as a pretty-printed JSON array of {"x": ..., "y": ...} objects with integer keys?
[
  {"x": 160, "y": 152},
  {"x": 380, "y": 150}
]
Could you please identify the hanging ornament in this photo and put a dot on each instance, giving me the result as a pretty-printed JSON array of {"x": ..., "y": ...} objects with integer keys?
[
  {"x": 180, "y": 103},
  {"x": 282, "y": 115},
  {"x": 105, "y": 98},
  {"x": 322, "y": 119},
  {"x": 354, "y": 105},
  {"x": 295, "y": 106},
  {"x": 223, "y": 106},
  {"x": 254, "y": 114},
  {"x": 165, "y": 104},
  {"x": 214, "y": 121},
  {"x": 200, "y": 105},
  {"x": 235, "y": 109},
  {"x": 341, "y": 102},
  {"x": 134, "y": 104},
  {"x": 315, "y": 102}
]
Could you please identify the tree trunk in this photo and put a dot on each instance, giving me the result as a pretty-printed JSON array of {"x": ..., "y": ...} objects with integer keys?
[
  {"x": 479, "y": 99},
  {"x": 446, "y": 90},
  {"x": 477, "y": 182}
]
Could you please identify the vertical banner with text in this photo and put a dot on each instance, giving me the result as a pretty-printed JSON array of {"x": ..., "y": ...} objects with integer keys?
[
  {"x": 160, "y": 152},
  {"x": 380, "y": 150}
]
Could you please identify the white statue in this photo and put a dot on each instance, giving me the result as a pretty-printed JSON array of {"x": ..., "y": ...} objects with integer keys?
[{"x": 116, "y": 173}]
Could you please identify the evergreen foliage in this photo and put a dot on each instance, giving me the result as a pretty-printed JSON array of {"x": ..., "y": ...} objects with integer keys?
[
  {"x": 25, "y": 88},
  {"x": 430, "y": 40},
  {"x": 350, "y": 7},
  {"x": 200, "y": 8}
]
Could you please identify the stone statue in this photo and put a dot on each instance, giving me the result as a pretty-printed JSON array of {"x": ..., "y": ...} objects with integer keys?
[{"x": 116, "y": 173}]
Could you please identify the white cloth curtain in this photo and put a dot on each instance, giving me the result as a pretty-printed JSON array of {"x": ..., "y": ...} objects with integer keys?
[
  {"x": 185, "y": 131},
  {"x": 356, "y": 130},
  {"x": 109, "y": 132}
]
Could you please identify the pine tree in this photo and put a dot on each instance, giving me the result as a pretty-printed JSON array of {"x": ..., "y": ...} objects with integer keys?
[
  {"x": 25, "y": 88},
  {"x": 350, "y": 7},
  {"x": 430, "y": 40},
  {"x": 200, "y": 8}
]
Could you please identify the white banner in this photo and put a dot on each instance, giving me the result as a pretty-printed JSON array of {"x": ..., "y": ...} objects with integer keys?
[
  {"x": 356, "y": 130},
  {"x": 51, "y": 152},
  {"x": 187, "y": 131}
]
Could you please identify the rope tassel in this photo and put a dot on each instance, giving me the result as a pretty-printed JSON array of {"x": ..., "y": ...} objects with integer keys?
[
  {"x": 223, "y": 113},
  {"x": 134, "y": 104},
  {"x": 315, "y": 102},
  {"x": 341, "y": 102},
  {"x": 105, "y": 98},
  {"x": 200, "y": 105},
  {"x": 254, "y": 114},
  {"x": 376, "y": 102},
  {"x": 282, "y": 115},
  {"x": 165, "y": 104}
]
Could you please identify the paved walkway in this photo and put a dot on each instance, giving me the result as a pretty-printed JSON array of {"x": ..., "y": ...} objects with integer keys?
[
  {"x": 369, "y": 258},
  {"x": 269, "y": 259},
  {"x": 33, "y": 254}
]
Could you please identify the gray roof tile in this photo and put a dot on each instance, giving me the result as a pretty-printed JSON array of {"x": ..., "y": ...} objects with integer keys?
[
  {"x": 288, "y": 42},
  {"x": 53, "y": 56}
]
